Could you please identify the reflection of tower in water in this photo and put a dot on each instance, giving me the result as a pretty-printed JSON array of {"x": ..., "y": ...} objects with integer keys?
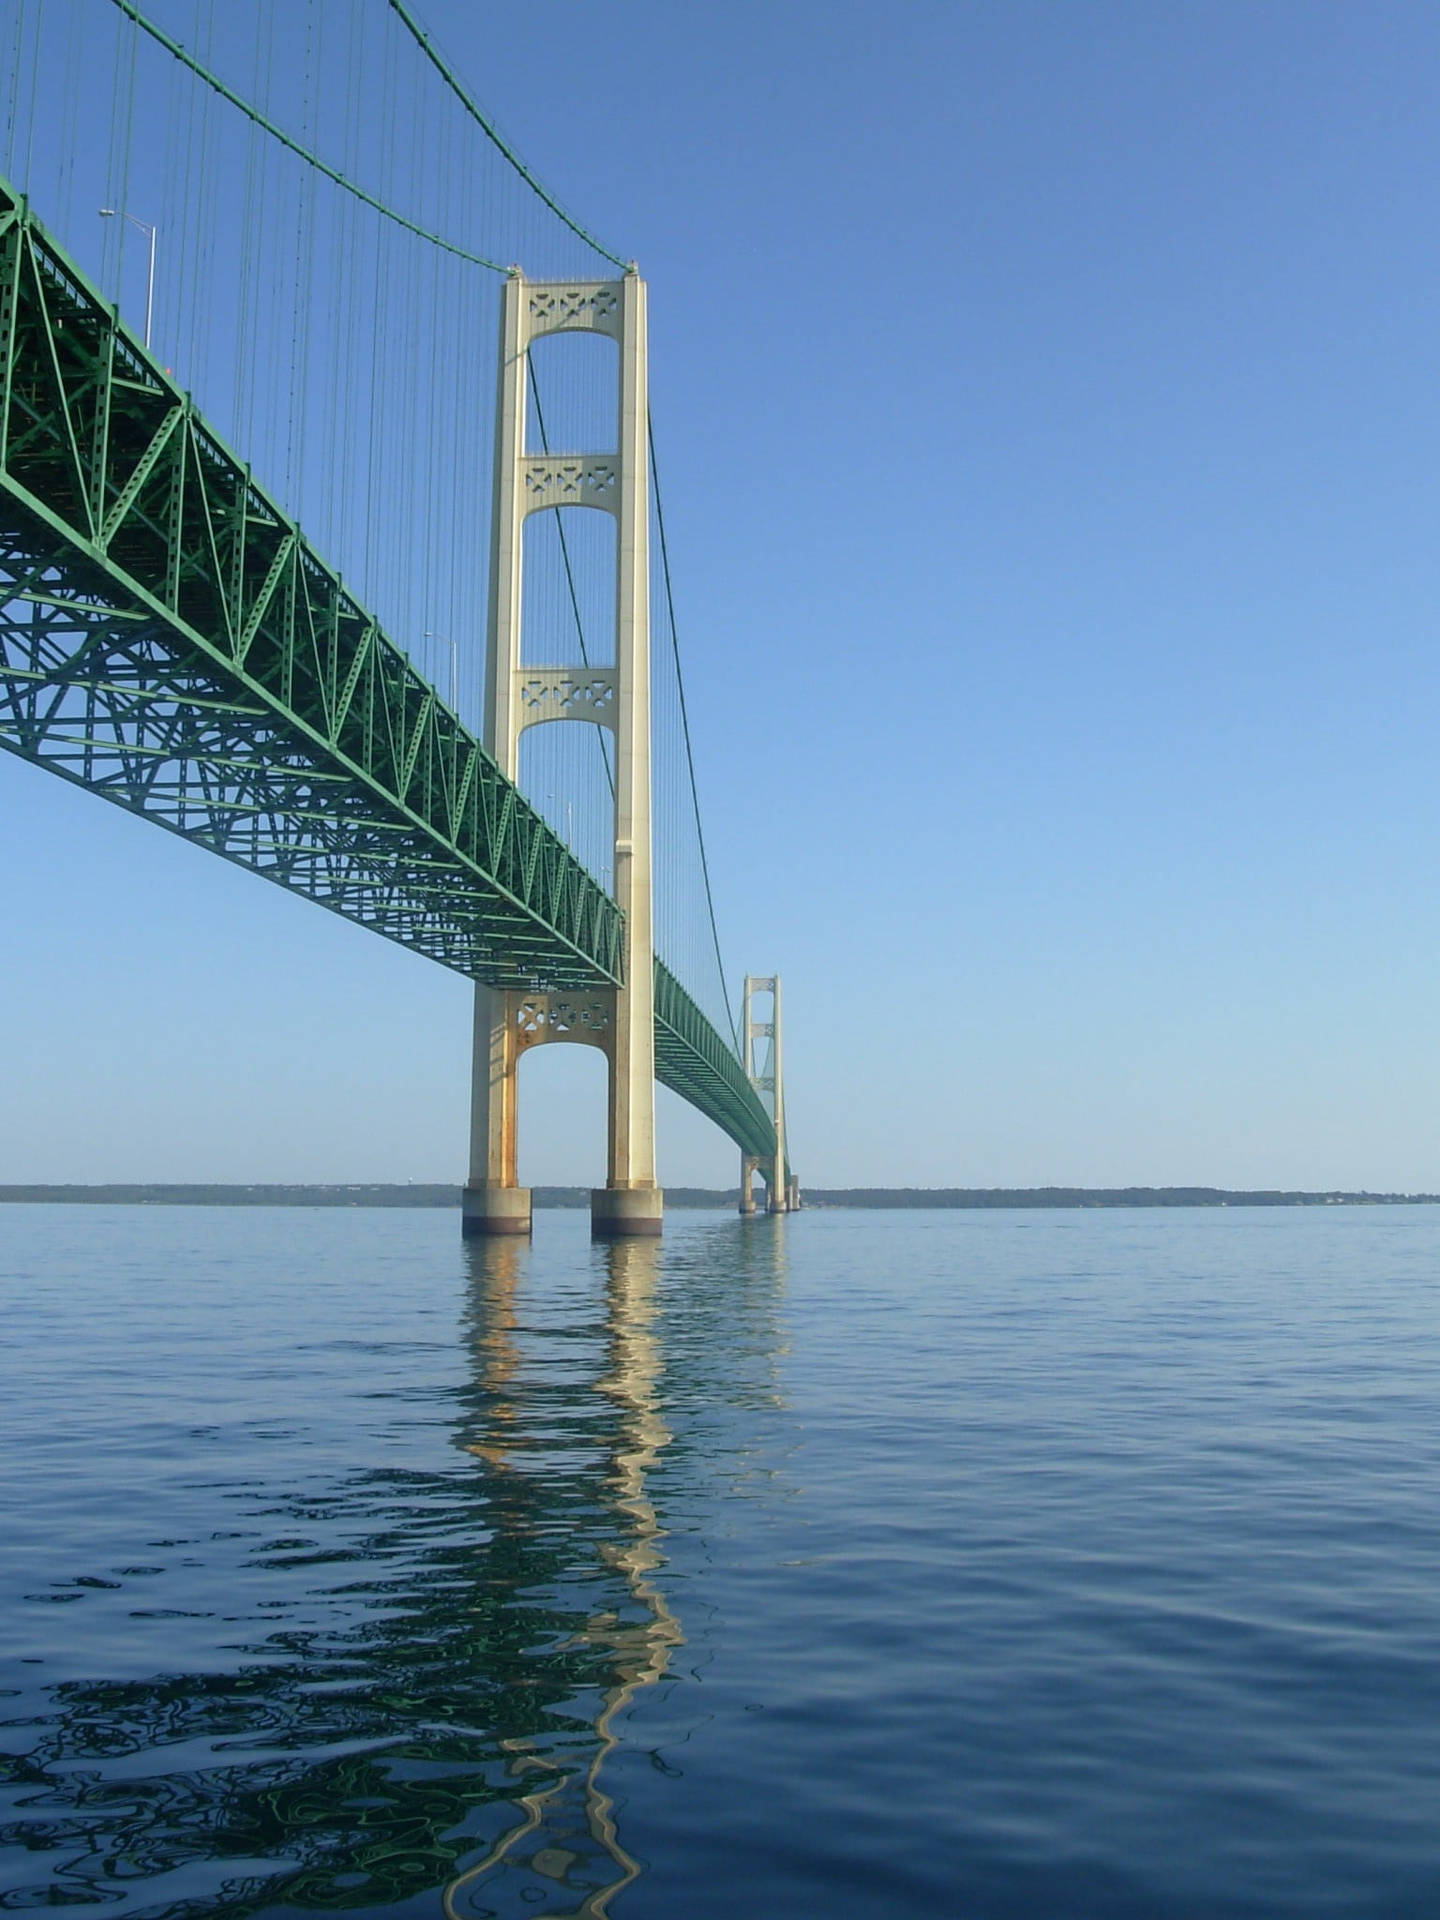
[{"x": 564, "y": 1856}]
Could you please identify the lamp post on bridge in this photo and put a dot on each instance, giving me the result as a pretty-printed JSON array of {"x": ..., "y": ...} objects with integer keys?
[
  {"x": 114, "y": 213},
  {"x": 569, "y": 818},
  {"x": 446, "y": 641}
]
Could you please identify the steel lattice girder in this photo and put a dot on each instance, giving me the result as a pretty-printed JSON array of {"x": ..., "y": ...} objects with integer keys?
[
  {"x": 169, "y": 640},
  {"x": 694, "y": 1061}
]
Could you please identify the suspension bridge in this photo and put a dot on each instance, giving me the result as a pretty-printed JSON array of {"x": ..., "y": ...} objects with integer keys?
[{"x": 173, "y": 639}]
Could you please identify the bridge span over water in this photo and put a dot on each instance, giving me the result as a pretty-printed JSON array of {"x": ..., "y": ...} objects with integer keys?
[{"x": 173, "y": 641}]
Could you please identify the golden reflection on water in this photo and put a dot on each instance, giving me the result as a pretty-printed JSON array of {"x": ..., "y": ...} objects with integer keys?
[{"x": 566, "y": 1839}]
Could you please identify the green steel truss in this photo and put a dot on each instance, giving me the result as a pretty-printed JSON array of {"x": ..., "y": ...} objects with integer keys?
[{"x": 169, "y": 640}]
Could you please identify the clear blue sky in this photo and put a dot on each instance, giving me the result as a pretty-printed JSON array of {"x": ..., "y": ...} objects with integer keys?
[{"x": 1049, "y": 403}]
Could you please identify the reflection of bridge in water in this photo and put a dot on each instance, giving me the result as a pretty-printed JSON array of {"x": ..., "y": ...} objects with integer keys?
[
  {"x": 566, "y": 1847},
  {"x": 483, "y": 1632}
]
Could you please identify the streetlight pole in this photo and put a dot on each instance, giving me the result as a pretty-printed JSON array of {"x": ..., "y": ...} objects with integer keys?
[
  {"x": 569, "y": 819},
  {"x": 110, "y": 213}
]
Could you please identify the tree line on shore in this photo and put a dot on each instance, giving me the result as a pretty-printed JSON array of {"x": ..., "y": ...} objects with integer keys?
[{"x": 420, "y": 1194}]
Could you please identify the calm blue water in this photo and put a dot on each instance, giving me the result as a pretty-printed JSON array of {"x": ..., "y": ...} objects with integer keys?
[{"x": 971, "y": 1564}]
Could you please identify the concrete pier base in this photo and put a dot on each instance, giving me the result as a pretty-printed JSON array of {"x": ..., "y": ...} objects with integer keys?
[
  {"x": 748, "y": 1165},
  {"x": 624, "y": 1213},
  {"x": 488, "y": 1210}
]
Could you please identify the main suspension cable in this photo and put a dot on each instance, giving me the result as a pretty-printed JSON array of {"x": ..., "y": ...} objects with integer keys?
[
  {"x": 448, "y": 75},
  {"x": 311, "y": 159}
]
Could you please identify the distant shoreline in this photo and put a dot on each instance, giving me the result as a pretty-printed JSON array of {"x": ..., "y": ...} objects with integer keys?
[{"x": 697, "y": 1198}]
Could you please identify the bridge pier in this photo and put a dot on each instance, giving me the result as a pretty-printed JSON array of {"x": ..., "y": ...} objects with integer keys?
[
  {"x": 749, "y": 1165},
  {"x": 622, "y": 1213},
  {"x": 495, "y": 1210},
  {"x": 494, "y": 1202}
]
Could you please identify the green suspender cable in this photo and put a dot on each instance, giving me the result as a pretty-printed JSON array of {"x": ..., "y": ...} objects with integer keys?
[
  {"x": 304, "y": 153},
  {"x": 685, "y": 728}
]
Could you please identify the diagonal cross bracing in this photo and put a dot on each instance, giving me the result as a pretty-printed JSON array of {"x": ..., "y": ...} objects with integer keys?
[{"x": 169, "y": 640}]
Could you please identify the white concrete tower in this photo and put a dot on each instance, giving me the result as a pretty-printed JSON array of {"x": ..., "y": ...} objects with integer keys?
[
  {"x": 621, "y": 1021},
  {"x": 764, "y": 1066}
]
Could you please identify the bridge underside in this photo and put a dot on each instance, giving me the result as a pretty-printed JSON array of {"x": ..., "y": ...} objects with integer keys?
[{"x": 169, "y": 640}]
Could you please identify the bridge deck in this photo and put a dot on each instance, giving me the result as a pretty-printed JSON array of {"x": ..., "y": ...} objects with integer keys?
[{"x": 169, "y": 640}]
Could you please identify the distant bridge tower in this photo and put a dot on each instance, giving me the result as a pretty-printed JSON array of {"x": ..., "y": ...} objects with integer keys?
[
  {"x": 620, "y": 1021},
  {"x": 764, "y": 1065}
]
